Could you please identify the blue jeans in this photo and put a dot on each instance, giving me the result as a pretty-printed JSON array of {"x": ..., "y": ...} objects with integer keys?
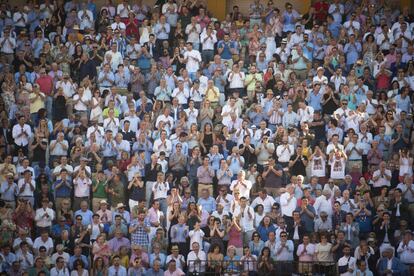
[
  {"x": 49, "y": 106},
  {"x": 192, "y": 75}
]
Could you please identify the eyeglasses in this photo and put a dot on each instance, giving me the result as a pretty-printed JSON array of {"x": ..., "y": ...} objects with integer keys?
[{"x": 283, "y": 236}]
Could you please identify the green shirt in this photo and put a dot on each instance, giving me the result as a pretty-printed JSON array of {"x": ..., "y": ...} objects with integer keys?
[
  {"x": 119, "y": 196},
  {"x": 100, "y": 191},
  {"x": 32, "y": 271}
]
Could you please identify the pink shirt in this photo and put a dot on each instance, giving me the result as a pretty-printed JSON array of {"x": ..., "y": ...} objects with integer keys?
[
  {"x": 177, "y": 272},
  {"x": 46, "y": 84},
  {"x": 306, "y": 255}
]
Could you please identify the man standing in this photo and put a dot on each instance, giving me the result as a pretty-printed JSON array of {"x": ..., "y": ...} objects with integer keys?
[{"x": 21, "y": 134}]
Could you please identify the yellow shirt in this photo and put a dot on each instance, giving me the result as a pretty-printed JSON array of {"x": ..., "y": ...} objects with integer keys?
[
  {"x": 249, "y": 78},
  {"x": 37, "y": 104},
  {"x": 211, "y": 96},
  {"x": 125, "y": 261},
  {"x": 306, "y": 152}
]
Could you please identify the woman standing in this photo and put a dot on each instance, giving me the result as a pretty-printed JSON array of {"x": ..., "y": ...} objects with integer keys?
[
  {"x": 235, "y": 236},
  {"x": 323, "y": 253},
  {"x": 265, "y": 263}
]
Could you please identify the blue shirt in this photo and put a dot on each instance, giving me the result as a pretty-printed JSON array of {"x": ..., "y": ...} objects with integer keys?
[
  {"x": 264, "y": 232},
  {"x": 233, "y": 266},
  {"x": 57, "y": 229},
  {"x": 108, "y": 149},
  {"x": 161, "y": 257},
  {"x": 208, "y": 204},
  {"x": 179, "y": 233},
  {"x": 235, "y": 165},
  {"x": 226, "y": 54},
  {"x": 352, "y": 52},
  {"x": 306, "y": 52},
  {"x": 86, "y": 216},
  {"x": 73, "y": 259},
  {"x": 162, "y": 31},
  {"x": 335, "y": 27},
  {"x": 104, "y": 82},
  {"x": 121, "y": 271},
  {"x": 63, "y": 191},
  {"x": 381, "y": 143},
  {"x": 403, "y": 103},
  {"x": 307, "y": 220},
  {"x": 315, "y": 100},
  {"x": 215, "y": 160}
]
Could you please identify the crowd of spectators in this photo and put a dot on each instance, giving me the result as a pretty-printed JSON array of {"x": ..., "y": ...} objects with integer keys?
[{"x": 159, "y": 140}]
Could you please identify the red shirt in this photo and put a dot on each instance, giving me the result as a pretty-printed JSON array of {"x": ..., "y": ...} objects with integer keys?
[
  {"x": 132, "y": 30},
  {"x": 321, "y": 11},
  {"x": 383, "y": 81},
  {"x": 46, "y": 84}
]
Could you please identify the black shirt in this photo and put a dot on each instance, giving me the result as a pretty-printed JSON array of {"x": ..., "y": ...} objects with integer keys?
[
  {"x": 330, "y": 106},
  {"x": 151, "y": 173},
  {"x": 298, "y": 167},
  {"x": 249, "y": 158}
]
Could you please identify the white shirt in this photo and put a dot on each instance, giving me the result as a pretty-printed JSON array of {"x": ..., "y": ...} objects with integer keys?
[
  {"x": 193, "y": 60},
  {"x": 21, "y": 139},
  {"x": 116, "y": 59},
  {"x": 160, "y": 146},
  {"x": 68, "y": 88},
  {"x": 208, "y": 44},
  {"x": 406, "y": 252},
  {"x": 288, "y": 204},
  {"x": 305, "y": 115},
  {"x": 381, "y": 181},
  {"x": 322, "y": 204},
  {"x": 267, "y": 203},
  {"x": 236, "y": 80},
  {"x": 318, "y": 166},
  {"x": 160, "y": 190},
  {"x": 193, "y": 33},
  {"x": 284, "y": 152},
  {"x": 62, "y": 272},
  {"x": 226, "y": 205},
  {"x": 337, "y": 168},
  {"x": 58, "y": 149},
  {"x": 123, "y": 10},
  {"x": 27, "y": 190},
  {"x": 243, "y": 187},
  {"x": 192, "y": 257},
  {"x": 81, "y": 105},
  {"x": 111, "y": 124},
  {"x": 166, "y": 119},
  {"x": 287, "y": 252},
  {"x": 85, "y": 18},
  {"x": 39, "y": 242},
  {"x": 7, "y": 44},
  {"x": 351, "y": 264},
  {"x": 82, "y": 186},
  {"x": 42, "y": 220},
  {"x": 120, "y": 26},
  {"x": 196, "y": 236},
  {"x": 247, "y": 218},
  {"x": 181, "y": 95}
]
